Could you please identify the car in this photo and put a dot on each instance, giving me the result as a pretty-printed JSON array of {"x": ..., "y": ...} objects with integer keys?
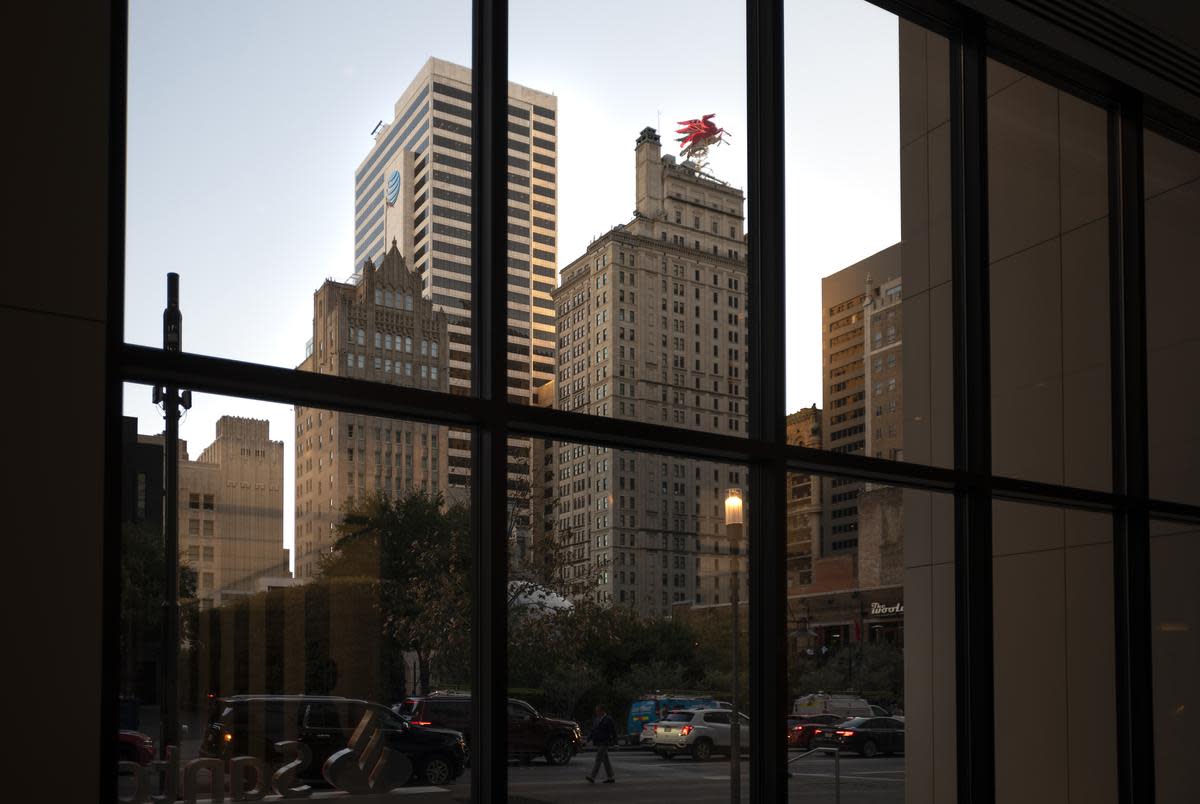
[
  {"x": 250, "y": 725},
  {"x": 530, "y": 734},
  {"x": 133, "y": 746},
  {"x": 866, "y": 735},
  {"x": 699, "y": 732},
  {"x": 647, "y": 710},
  {"x": 801, "y": 728}
]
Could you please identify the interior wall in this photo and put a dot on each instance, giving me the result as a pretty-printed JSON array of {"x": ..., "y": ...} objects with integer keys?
[{"x": 52, "y": 314}]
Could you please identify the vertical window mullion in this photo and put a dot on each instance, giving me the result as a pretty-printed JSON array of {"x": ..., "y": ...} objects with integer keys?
[
  {"x": 1131, "y": 526},
  {"x": 975, "y": 719},
  {"x": 489, "y": 664},
  {"x": 766, "y": 404}
]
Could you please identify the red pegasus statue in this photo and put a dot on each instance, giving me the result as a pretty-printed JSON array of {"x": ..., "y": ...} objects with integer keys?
[{"x": 699, "y": 136}]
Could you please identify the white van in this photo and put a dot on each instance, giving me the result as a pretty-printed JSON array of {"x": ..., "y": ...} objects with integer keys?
[{"x": 821, "y": 703}]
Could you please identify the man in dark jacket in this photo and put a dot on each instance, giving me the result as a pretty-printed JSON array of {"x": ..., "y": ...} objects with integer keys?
[{"x": 604, "y": 734}]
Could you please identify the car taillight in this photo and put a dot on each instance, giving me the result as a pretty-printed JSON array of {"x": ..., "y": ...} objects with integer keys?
[
  {"x": 686, "y": 730},
  {"x": 421, "y": 722},
  {"x": 844, "y": 733},
  {"x": 654, "y": 728},
  {"x": 818, "y": 731},
  {"x": 227, "y": 737}
]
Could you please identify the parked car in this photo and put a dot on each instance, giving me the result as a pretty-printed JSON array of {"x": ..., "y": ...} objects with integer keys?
[
  {"x": 133, "y": 746},
  {"x": 530, "y": 734},
  {"x": 649, "y": 709},
  {"x": 866, "y": 735},
  {"x": 699, "y": 732},
  {"x": 801, "y": 728},
  {"x": 250, "y": 725}
]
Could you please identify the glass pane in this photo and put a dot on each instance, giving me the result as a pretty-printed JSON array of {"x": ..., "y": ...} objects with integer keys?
[
  {"x": 627, "y": 608},
  {"x": 868, "y": 235},
  {"x": 869, "y": 280},
  {"x": 1174, "y": 557},
  {"x": 649, "y": 316},
  {"x": 323, "y": 589},
  {"x": 871, "y": 648},
  {"x": 1048, "y": 242},
  {"x": 1172, "y": 242},
  {"x": 320, "y": 218},
  {"x": 1054, "y": 655}
]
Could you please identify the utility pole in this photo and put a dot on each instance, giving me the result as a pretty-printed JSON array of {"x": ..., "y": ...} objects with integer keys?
[{"x": 172, "y": 401}]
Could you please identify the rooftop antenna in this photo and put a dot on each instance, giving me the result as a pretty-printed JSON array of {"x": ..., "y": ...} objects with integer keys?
[{"x": 377, "y": 127}]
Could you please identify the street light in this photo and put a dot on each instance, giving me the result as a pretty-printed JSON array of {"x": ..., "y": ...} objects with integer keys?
[{"x": 733, "y": 529}]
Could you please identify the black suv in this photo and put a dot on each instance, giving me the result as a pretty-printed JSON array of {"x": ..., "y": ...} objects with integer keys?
[
  {"x": 250, "y": 725},
  {"x": 530, "y": 734}
]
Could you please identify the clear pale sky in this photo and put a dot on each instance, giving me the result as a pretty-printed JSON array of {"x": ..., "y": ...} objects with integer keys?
[{"x": 247, "y": 121}]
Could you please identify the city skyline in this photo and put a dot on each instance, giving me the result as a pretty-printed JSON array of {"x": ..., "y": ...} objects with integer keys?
[{"x": 304, "y": 236}]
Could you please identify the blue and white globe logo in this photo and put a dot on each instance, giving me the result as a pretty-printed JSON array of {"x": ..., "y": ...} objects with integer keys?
[{"x": 393, "y": 188}]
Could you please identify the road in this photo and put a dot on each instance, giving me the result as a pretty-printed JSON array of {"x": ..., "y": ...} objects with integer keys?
[{"x": 644, "y": 777}]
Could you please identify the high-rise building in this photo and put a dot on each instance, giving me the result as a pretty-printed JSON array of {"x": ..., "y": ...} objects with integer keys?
[
  {"x": 414, "y": 188},
  {"x": 651, "y": 327},
  {"x": 883, "y": 368},
  {"x": 861, "y": 325},
  {"x": 803, "y": 501},
  {"x": 377, "y": 327},
  {"x": 231, "y": 511}
]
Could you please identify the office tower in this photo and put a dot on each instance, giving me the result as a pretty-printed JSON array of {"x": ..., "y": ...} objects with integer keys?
[
  {"x": 803, "y": 501},
  {"x": 869, "y": 289},
  {"x": 376, "y": 327},
  {"x": 414, "y": 187},
  {"x": 231, "y": 512},
  {"x": 651, "y": 327}
]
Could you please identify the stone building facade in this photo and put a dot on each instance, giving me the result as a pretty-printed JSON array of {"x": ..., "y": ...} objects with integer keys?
[
  {"x": 857, "y": 304},
  {"x": 651, "y": 327},
  {"x": 378, "y": 327},
  {"x": 231, "y": 511}
]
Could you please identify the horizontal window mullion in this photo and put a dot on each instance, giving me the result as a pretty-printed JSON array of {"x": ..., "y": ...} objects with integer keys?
[
  {"x": 203, "y": 373},
  {"x": 216, "y": 375}
]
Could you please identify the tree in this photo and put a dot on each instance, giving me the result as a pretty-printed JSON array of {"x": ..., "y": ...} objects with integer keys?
[
  {"x": 143, "y": 565},
  {"x": 415, "y": 551}
]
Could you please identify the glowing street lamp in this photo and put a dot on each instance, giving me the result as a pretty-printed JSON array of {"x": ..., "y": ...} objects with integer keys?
[
  {"x": 733, "y": 507},
  {"x": 733, "y": 528}
]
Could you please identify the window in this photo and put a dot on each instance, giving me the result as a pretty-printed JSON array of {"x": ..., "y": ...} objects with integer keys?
[{"x": 890, "y": 228}]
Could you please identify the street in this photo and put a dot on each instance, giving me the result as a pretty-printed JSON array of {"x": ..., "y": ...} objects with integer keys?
[{"x": 644, "y": 777}]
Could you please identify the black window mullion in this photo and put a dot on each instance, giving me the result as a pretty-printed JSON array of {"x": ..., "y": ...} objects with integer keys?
[
  {"x": 975, "y": 719},
  {"x": 1131, "y": 525},
  {"x": 766, "y": 404},
  {"x": 489, "y": 570}
]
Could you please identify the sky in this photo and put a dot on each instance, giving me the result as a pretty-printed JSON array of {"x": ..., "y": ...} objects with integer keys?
[{"x": 247, "y": 121}]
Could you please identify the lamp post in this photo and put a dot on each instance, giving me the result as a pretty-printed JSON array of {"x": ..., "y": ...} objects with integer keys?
[{"x": 733, "y": 529}]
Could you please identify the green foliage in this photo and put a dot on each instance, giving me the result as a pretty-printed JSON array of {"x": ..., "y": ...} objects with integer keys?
[
  {"x": 415, "y": 553},
  {"x": 143, "y": 568},
  {"x": 874, "y": 670}
]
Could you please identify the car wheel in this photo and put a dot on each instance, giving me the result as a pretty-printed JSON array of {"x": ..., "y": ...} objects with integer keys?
[
  {"x": 438, "y": 770},
  {"x": 558, "y": 752},
  {"x": 868, "y": 749},
  {"x": 702, "y": 750}
]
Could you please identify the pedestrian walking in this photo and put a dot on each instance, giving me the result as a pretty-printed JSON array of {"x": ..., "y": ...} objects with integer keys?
[{"x": 604, "y": 734}]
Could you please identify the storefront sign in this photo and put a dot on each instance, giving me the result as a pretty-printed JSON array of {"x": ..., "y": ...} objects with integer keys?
[{"x": 884, "y": 610}]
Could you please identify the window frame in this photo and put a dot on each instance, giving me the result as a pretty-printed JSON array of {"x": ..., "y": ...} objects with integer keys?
[{"x": 1144, "y": 102}]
